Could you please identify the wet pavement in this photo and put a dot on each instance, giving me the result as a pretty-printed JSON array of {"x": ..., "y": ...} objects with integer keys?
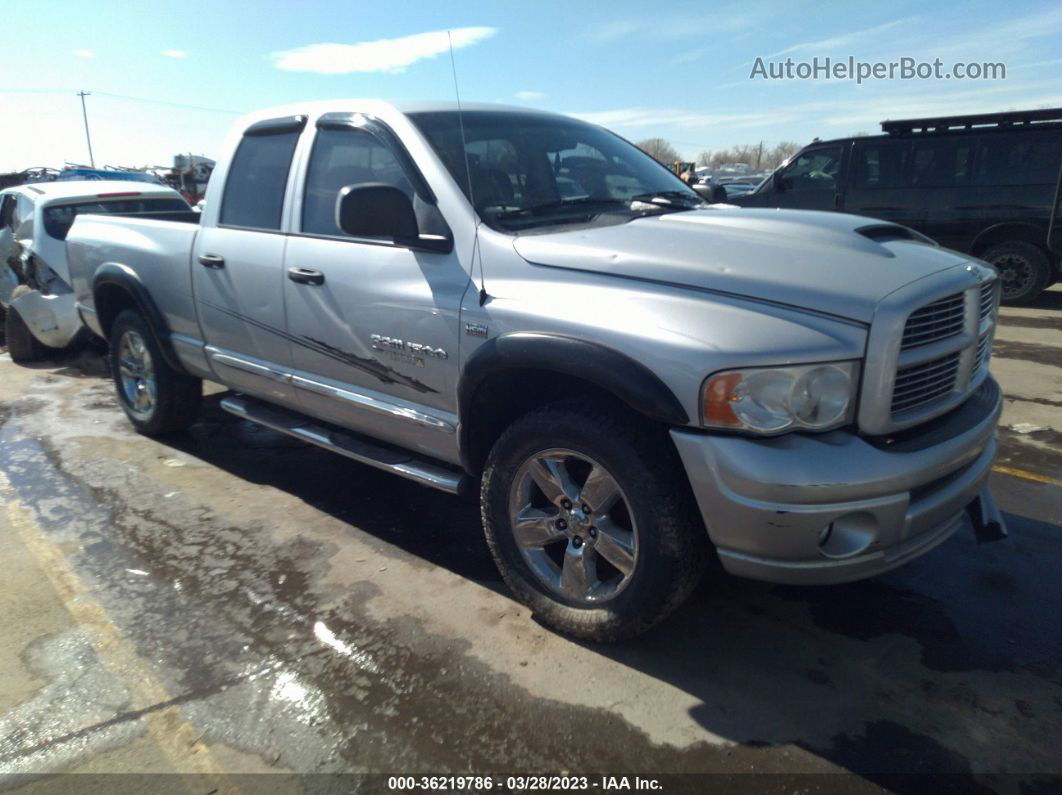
[{"x": 233, "y": 601}]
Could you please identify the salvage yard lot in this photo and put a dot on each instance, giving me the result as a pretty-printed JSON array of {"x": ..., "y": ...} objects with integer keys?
[{"x": 232, "y": 600}]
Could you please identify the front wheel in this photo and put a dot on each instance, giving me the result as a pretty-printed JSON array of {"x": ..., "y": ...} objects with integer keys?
[
  {"x": 589, "y": 517},
  {"x": 157, "y": 398}
]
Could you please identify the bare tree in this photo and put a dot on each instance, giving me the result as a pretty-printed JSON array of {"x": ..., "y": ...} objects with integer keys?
[
  {"x": 660, "y": 150},
  {"x": 780, "y": 153},
  {"x": 705, "y": 158}
]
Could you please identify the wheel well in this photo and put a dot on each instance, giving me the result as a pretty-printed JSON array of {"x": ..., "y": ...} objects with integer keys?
[
  {"x": 1007, "y": 232},
  {"x": 503, "y": 397},
  {"x": 110, "y": 299}
]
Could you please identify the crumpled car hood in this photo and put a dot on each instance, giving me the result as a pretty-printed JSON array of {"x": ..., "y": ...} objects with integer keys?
[{"x": 834, "y": 263}]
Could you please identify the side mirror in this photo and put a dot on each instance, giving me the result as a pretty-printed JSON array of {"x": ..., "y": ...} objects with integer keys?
[
  {"x": 719, "y": 194},
  {"x": 375, "y": 209},
  {"x": 778, "y": 182}
]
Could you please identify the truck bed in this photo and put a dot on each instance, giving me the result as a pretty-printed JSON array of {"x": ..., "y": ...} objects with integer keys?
[{"x": 156, "y": 246}]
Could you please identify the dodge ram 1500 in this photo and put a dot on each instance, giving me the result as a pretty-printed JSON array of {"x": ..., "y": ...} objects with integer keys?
[{"x": 526, "y": 304}]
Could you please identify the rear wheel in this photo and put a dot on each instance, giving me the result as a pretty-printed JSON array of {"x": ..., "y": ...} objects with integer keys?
[
  {"x": 1024, "y": 270},
  {"x": 157, "y": 398},
  {"x": 589, "y": 517}
]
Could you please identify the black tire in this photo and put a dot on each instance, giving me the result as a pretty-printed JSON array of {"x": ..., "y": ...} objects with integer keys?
[
  {"x": 1023, "y": 268},
  {"x": 21, "y": 343},
  {"x": 177, "y": 396},
  {"x": 672, "y": 545}
]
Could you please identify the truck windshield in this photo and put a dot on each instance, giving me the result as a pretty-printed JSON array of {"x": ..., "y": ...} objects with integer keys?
[
  {"x": 59, "y": 218},
  {"x": 532, "y": 169}
]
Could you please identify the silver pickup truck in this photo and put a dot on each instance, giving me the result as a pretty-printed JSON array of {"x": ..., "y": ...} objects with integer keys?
[{"x": 526, "y": 305}]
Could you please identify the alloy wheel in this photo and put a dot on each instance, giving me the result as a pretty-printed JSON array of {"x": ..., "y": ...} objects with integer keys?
[
  {"x": 137, "y": 373},
  {"x": 573, "y": 526}
]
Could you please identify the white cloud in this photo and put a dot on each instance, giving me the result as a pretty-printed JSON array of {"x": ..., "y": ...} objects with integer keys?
[
  {"x": 175, "y": 53},
  {"x": 683, "y": 25},
  {"x": 529, "y": 96},
  {"x": 844, "y": 40},
  {"x": 381, "y": 55},
  {"x": 84, "y": 53},
  {"x": 689, "y": 56}
]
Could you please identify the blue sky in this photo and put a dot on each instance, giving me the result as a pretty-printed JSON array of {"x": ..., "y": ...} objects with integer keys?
[{"x": 675, "y": 70}]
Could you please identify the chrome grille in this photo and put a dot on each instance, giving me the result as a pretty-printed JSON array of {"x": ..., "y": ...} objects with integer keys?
[
  {"x": 924, "y": 383},
  {"x": 936, "y": 321},
  {"x": 988, "y": 295},
  {"x": 984, "y": 350},
  {"x": 928, "y": 349}
]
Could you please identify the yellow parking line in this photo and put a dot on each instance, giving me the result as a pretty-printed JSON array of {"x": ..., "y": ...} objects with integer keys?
[
  {"x": 1026, "y": 475},
  {"x": 168, "y": 727}
]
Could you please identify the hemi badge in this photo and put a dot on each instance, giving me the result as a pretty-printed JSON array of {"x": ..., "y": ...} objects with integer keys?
[{"x": 475, "y": 330}]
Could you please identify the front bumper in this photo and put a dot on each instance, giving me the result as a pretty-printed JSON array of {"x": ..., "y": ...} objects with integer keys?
[{"x": 835, "y": 507}]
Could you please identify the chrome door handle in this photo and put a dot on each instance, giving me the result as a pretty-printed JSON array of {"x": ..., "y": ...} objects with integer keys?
[
  {"x": 306, "y": 276},
  {"x": 212, "y": 261}
]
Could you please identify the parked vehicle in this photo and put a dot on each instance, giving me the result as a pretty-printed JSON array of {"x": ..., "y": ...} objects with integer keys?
[
  {"x": 35, "y": 296},
  {"x": 734, "y": 189},
  {"x": 614, "y": 372},
  {"x": 987, "y": 185}
]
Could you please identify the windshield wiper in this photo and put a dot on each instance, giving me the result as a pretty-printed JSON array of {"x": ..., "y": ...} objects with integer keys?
[
  {"x": 538, "y": 209},
  {"x": 668, "y": 196}
]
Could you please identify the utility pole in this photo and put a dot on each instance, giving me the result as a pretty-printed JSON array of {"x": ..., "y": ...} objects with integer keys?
[{"x": 84, "y": 114}]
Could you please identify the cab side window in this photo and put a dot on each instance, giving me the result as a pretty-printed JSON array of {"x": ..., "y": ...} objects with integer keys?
[
  {"x": 1028, "y": 159},
  {"x": 7, "y": 212},
  {"x": 815, "y": 169},
  {"x": 341, "y": 158},
  {"x": 941, "y": 162},
  {"x": 254, "y": 190},
  {"x": 881, "y": 164}
]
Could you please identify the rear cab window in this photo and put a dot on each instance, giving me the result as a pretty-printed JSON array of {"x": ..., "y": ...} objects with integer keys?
[
  {"x": 59, "y": 218},
  {"x": 254, "y": 190}
]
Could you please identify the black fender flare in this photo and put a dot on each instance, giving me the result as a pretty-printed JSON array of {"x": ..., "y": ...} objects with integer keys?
[
  {"x": 116, "y": 275},
  {"x": 618, "y": 374}
]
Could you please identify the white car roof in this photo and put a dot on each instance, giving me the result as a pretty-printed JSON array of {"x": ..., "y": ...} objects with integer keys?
[{"x": 77, "y": 189}]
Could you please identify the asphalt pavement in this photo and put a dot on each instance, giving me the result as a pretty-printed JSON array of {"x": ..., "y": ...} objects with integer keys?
[{"x": 231, "y": 601}]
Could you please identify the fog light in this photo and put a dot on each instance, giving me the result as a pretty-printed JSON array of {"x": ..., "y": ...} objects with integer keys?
[{"x": 848, "y": 535}]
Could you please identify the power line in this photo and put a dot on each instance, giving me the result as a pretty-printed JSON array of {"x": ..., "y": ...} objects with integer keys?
[
  {"x": 172, "y": 104},
  {"x": 126, "y": 97}
]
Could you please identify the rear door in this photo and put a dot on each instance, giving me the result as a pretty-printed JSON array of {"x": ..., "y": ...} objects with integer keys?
[
  {"x": 237, "y": 265},
  {"x": 878, "y": 181},
  {"x": 374, "y": 328},
  {"x": 940, "y": 173}
]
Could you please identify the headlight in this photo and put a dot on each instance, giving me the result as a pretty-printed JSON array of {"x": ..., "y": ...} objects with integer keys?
[{"x": 812, "y": 397}]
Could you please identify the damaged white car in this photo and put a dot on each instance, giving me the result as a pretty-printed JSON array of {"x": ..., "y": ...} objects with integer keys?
[{"x": 36, "y": 304}]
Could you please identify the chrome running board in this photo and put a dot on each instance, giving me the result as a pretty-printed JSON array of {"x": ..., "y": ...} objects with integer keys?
[{"x": 353, "y": 446}]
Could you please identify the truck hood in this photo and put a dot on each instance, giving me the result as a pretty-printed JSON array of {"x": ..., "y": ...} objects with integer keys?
[{"x": 834, "y": 263}]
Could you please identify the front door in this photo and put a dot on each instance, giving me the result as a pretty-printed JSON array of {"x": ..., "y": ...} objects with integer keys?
[
  {"x": 373, "y": 325},
  {"x": 812, "y": 181},
  {"x": 238, "y": 268}
]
